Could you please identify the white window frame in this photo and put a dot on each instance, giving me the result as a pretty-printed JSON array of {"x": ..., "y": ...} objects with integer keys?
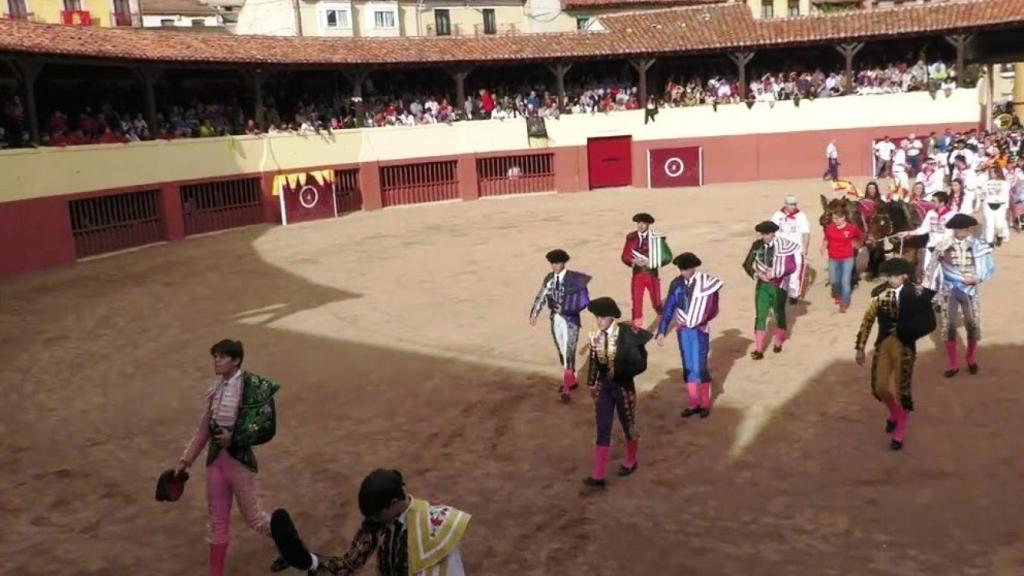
[
  {"x": 394, "y": 18},
  {"x": 372, "y": 8},
  {"x": 326, "y": 7}
]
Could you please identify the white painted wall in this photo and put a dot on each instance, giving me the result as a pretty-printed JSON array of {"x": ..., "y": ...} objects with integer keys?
[{"x": 267, "y": 17}]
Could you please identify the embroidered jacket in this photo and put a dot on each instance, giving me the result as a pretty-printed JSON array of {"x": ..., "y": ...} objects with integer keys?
[
  {"x": 659, "y": 251},
  {"x": 256, "y": 424},
  {"x": 777, "y": 259},
  {"x": 569, "y": 298},
  {"x": 955, "y": 258},
  {"x": 425, "y": 537},
  {"x": 692, "y": 303},
  {"x": 622, "y": 358},
  {"x": 905, "y": 312}
]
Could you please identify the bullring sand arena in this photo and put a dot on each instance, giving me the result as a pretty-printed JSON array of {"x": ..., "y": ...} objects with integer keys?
[{"x": 400, "y": 338}]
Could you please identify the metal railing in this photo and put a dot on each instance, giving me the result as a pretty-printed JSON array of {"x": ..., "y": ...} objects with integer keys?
[
  {"x": 499, "y": 29},
  {"x": 519, "y": 174},
  {"x": 220, "y": 205},
  {"x": 347, "y": 195},
  {"x": 419, "y": 183},
  {"x": 125, "y": 20},
  {"x": 104, "y": 224},
  {"x": 27, "y": 16}
]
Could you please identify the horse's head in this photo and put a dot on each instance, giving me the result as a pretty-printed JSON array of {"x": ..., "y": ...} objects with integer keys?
[
  {"x": 830, "y": 207},
  {"x": 880, "y": 225}
]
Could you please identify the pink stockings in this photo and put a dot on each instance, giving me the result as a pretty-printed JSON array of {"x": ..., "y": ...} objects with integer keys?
[
  {"x": 225, "y": 478},
  {"x": 699, "y": 394},
  {"x": 900, "y": 416},
  {"x": 954, "y": 362},
  {"x": 601, "y": 458}
]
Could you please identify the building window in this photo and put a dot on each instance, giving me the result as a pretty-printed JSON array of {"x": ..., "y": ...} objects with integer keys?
[
  {"x": 198, "y": 22},
  {"x": 581, "y": 22},
  {"x": 767, "y": 8},
  {"x": 383, "y": 19},
  {"x": 490, "y": 22},
  {"x": 442, "y": 23},
  {"x": 73, "y": 5},
  {"x": 167, "y": 22},
  {"x": 794, "y": 7},
  {"x": 335, "y": 18}
]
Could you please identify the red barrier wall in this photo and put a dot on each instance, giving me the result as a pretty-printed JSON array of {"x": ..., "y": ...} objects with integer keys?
[{"x": 36, "y": 234}]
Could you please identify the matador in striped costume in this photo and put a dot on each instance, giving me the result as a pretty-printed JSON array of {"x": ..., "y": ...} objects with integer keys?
[
  {"x": 565, "y": 294},
  {"x": 692, "y": 303}
]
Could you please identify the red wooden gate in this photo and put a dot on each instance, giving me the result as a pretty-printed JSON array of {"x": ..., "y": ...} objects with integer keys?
[
  {"x": 109, "y": 223},
  {"x": 347, "y": 195},
  {"x": 521, "y": 174},
  {"x": 220, "y": 205},
  {"x": 610, "y": 161},
  {"x": 419, "y": 183}
]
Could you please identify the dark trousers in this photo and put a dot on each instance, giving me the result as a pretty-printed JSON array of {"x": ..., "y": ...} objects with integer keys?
[
  {"x": 832, "y": 172},
  {"x": 610, "y": 400}
]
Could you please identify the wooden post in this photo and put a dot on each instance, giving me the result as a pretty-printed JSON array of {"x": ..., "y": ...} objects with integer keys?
[
  {"x": 1018, "y": 90},
  {"x": 356, "y": 77},
  {"x": 960, "y": 42},
  {"x": 641, "y": 67},
  {"x": 27, "y": 71},
  {"x": 460, "y": 75},
  {"x": 256, "y": 77},
  {"x": 741, "y": 59},
  {"x": 150, "y": 75},
  {"x": 560, "y": 70},
  {"x": 849, "y": 51}
]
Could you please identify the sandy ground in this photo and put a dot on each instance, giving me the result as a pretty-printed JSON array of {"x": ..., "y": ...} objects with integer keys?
[{"x": 401, "y": 340}]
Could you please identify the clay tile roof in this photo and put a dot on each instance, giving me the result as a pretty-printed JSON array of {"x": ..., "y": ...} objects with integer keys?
[
  {"x": 606, "y": 4},
  {"x": 175, "y": 7},
  {"x": 641, "y": 33},
  {"x": 860, "y": 24}
]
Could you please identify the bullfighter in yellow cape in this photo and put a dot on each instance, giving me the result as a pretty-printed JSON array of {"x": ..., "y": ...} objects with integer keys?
[{"x": 411, "y": 536}]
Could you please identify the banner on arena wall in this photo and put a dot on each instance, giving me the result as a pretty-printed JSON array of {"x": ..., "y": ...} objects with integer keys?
[
  {"x": 305, "y": 196},
  {"x": 672, "y": 167}
]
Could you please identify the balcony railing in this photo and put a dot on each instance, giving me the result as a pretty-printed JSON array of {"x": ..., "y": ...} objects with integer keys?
[
  {"x": 453, "y": 30},
  {"x": 27, "y": 16},
  {"x": 125, "y": 20},
  {"x": 76, "y": 17},
  {"x": 481, "y": 29}
]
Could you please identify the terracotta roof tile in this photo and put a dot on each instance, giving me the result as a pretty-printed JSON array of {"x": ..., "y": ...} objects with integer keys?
[
  {"x": 606, "y": 4},
  {"x": 641, "y": 33}
]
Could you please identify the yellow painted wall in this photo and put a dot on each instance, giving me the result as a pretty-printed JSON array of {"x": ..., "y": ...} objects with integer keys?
[
  {"x": 54, "y": 171},
  {"x": 48, "y": 11}
]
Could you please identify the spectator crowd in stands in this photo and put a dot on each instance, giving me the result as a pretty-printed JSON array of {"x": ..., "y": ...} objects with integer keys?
[{"x": 284, "y": 112}]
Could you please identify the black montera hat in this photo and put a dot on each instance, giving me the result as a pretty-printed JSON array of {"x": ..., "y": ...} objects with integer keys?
[
  {"x": 686, "y": 261},
  {"x": 643, "y": 217},
  {"x": 766, "y": 227},
  {"x": 557, "y": 256},
  {"x": 604, "y": 307}
]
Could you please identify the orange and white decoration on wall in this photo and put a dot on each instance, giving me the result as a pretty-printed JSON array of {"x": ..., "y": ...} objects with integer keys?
[{"x": 305, "y": 196}]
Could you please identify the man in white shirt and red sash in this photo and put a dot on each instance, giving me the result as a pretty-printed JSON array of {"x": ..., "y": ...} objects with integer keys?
[{"x": 794, "y": 226}]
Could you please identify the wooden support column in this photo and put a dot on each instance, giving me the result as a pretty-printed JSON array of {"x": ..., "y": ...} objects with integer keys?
[
  {"x": 960, "y": 42},
  {"x": 27, "y": 71},
  {"x": 460, "y": 75},
  {"x": 257, "y": 77},
  {"x": 741, "y": 59},
  {"x": 641, "y": 67},
  {"x": 357, "y": 77},
  {"x": 849, "y": 51},
  {"x": 150, "y": 75},
  {"x": 560, "y": 70}
]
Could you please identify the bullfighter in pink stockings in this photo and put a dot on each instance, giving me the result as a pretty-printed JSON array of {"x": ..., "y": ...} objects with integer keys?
[
  {"x": 238, "y": 413},
  {"x": 904, "y": 313}
]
